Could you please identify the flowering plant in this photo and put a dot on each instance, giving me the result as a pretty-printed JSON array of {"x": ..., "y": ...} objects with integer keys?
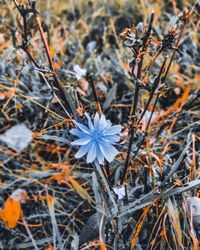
[{"x": 96, "y": 139}]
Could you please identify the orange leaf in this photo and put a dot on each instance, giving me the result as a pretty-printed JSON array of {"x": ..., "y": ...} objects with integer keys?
[
  {"x": 11, "y": 212},
  {"x": 48, "y": 74},
  {"x": 177, "y": 106},
  {"x": 156, "y": 43},
  {"x": 174, "y": 215},
  {"x": 56, "y": 66},
  {"x": 22, "y": 2},
  {"x": 51, "y": 51},
  {"x": 103, "y": 247},
  {"x": 138, "y": 226},
  {"x": 49, "y": 247},
  {"x": 61, "y": 177}
]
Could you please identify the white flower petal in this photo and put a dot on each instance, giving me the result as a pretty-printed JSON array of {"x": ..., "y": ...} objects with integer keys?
[
  {"x": 81, "y": 141},
  {"x": 111, "y": 138},
  {"x": 109, "y": 124},
  {"x": 89, "y": 122},
  {"x": 100, "y": 156},
  {"x": 120, "y": 192},
  {"x": 92, "y": 153},
  {"x": 108, "y": 151},
  {"x": 113, "y": 130},
  {"x": 102, "y": 123},
  {"x": 96, "y": 121},
  {"x": 82, "y": 127},
  {"x": 78, "y": 133},
  {"x": 79, "y": 72},
  {"x": 83, "y": 150}
]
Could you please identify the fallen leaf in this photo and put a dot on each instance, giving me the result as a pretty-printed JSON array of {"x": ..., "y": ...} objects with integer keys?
[
  {"x": 11, "y": 212},
  {"x": 18, "y": 137}
]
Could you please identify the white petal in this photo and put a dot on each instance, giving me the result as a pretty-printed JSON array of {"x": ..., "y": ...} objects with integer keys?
[
  {"x": 113, "y": 130},
  {"x": 108, "y": 151},
  {"x": 89, "y": 122},
  {"x": 100, "y": 156},
  {"x": 96, "y": 121},
  {"x": 111, "y": 138},
  {"x": 109, "y": 124},
  {"x": 79, "y": 72},
  {"x": 82, "y": 127},
  {"x": 83, "y": 150},
  {"x": 81, "y": 141},
  {"x": 77, "y": 132},
  {"x": 120, "y": 192},
  {"x": 102, "y": 123},
  {"x": 92, "y": 153}
]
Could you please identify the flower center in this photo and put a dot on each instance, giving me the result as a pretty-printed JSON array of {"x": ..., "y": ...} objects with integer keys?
[{"x": 96, "y": 136}]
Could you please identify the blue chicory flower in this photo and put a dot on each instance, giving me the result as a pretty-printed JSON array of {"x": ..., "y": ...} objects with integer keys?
[{"x": 97, "y": 139}]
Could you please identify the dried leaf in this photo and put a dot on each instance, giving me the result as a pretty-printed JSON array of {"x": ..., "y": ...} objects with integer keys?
[
  {"x": 138, "y": 227},
  {"x": 80, "y": 190},
  {"x": 11, "y": 212},
  {"x": 51, "y": 51},
  {"x": 102, "y": 245},
  {"x": 18, "y": 137},
  {"x": 174, "y": 215},
  {"x": 61, "y": 177}
]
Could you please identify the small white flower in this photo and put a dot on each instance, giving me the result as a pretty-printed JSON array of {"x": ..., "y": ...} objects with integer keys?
[
  {"x": 79, "y": 72},
  {"x": 120, "y": 192},
  {"x": 97, "y": 139}
]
